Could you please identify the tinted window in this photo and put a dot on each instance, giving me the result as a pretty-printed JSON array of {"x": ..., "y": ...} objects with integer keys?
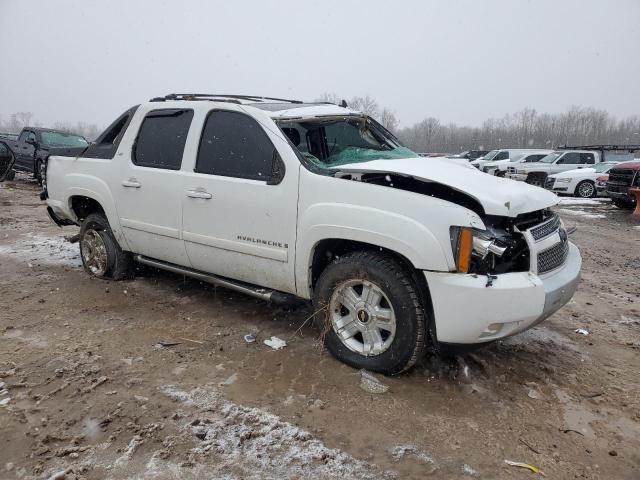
[
  {"x": 501, "y": 156},
  {"x": 570, "y": 158},
  {"x": 535, "y": 158},
  {"x": 587, "y": 158},
  {"x": 235, "y": 145},
  {"x": 161, "y": 139}
]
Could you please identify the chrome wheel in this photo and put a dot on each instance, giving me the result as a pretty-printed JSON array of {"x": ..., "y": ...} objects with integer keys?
[
  {"x": 94, "y": 253},
  {"x": 586, "y": 189},
  {"x": 362, "y": 317}
]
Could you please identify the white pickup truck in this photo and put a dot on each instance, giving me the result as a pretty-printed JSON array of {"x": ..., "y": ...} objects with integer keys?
[{"x": 282, "y": 199}]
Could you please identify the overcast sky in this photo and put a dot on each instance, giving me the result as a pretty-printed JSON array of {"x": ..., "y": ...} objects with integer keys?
[{"x": 459, "y": 61}]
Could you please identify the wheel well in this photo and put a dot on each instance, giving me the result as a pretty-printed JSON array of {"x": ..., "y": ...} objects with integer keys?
[
  {"x": 85, "y": 206},
  {"x": 329, "y": 249}
]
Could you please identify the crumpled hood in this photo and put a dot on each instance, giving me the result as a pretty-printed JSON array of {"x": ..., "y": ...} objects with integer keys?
[{"x": 498, "y": 196}]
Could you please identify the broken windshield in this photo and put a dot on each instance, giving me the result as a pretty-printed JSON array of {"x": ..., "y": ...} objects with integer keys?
[{"x": 333, "y": 141}]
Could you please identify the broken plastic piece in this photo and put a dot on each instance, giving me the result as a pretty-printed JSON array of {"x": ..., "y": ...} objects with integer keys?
[
  {"x": 250, "y": 338},
  {"x": 275, "y": 343},
  {"x": 525, "y": 465},
  {"x": 369, "y": 383},
  {"x": 582, "y": 331}
]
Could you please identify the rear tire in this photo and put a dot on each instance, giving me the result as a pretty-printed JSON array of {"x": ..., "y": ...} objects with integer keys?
[
  {"x": 373, "y": 317},
  {"x": 585, "y": 189},
  {"x": 101, "y": 255}
]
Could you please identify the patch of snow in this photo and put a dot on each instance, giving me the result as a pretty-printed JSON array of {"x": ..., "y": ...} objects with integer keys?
[
  {"x": 401, "y": 451},
  {"x": 45, "y": 250},
  {"x": 584, "y": 201},
  {"x": 256, "y": 444},
  {"x": 581, "y": 213}
]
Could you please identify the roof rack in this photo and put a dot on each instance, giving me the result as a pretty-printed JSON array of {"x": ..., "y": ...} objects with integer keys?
[
  {"x": 220, "y": 98},
  {"x": 628, "y": 148}
]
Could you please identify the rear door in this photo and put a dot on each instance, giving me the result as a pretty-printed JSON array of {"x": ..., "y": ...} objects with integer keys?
[
  {"x": 6, "y": 160},
  {"x": 24, "y": 151},
  {"x": 147, "y": 190},
  {"x": 239, "y": 206},
  {"x": 568, "y": 161}
]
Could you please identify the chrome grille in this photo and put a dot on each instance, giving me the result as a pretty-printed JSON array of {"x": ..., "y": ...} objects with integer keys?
[
  {"x": 553, "y": 257},
  {"x": 545, "y": 229}
]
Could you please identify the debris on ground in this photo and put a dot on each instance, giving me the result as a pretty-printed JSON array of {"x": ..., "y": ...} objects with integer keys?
[
  {"x": 165, "y": 344},
  {"x": 275, "y": 343},
  {"x": 582, "y": 331},
  {"x": 250, "y": 338},
  {"x": 370, "y": 384},
  {"x": 524, "y": 465}
]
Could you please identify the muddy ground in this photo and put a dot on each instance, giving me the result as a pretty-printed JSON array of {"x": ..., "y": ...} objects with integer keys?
[{"x": 88, "y": 390}]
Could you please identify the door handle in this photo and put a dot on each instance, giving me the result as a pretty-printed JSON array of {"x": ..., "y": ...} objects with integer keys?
[
  {"x": 131, "y": 183},
  {"x": 199, "y": 194}
]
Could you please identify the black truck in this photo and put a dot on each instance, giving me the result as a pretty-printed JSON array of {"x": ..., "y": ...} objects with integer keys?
[{"x": 33, "y": 146}]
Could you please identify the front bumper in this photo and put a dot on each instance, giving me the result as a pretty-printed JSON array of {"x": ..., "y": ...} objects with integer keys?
[
  {"x": 467, "y": 311},
  {"x": 517, "y": 176}
]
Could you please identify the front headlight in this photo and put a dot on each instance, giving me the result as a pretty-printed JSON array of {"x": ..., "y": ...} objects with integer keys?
[
  {"x": 563, "y": 180},
  {"x": 467, "y": 243}
]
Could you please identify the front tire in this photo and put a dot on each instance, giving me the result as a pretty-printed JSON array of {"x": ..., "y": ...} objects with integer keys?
[
  {"x": 623, "y": 205},
  {"x": 101, "y": 255},
  {"x": 586, "y": 189},
  {"x": 39, "y": 172},
  {"x": 373, "y": 317}
]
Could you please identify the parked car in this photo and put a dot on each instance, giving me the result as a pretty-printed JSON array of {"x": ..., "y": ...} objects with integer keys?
[
  {"x": 556, "y": 162},
  {"x": 621, "y": 178},
  {"x": 579, "y": 182},
  {"x": 281, "y": 200},
  {"x": 6, "y": 160},
  {"x": 470, "y": 154},
  {"x": 33, "y": 145},
  {"x": 499, "y": 167},
  {"x": 499, "y": 155}
]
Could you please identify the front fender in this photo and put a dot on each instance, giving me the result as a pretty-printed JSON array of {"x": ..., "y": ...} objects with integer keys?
[{"x": 385, "y": 229}]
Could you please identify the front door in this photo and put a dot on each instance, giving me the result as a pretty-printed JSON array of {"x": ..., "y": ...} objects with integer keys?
[
  {"x": 147, "y": 189},
  {"x": 239, "y": 217},
  {"x": 25, "y": 151}
]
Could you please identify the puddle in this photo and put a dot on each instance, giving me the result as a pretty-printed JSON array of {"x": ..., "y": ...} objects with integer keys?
[{"x": 576, "y": 417}]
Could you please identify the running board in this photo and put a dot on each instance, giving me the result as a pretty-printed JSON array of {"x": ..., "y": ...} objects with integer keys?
[{"x": 248, "y": 289}]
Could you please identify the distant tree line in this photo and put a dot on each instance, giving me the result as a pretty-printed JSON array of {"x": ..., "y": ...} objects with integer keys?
[
  {"x": 524, "y": 129},
  {"x": 17, "y": 121}
]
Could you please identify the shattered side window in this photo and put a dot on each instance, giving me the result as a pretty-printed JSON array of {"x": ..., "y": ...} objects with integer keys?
[{"x": 331, "y": 142}]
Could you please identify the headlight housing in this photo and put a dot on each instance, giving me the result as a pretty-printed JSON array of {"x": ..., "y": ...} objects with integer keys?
[
  {"x": 563, "y": 180},
  {"x": 470, "y": 245}
]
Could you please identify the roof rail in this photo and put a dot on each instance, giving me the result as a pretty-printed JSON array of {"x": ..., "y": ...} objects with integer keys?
[
  {"x": 220, "y": 97},
  {"x": 629, "y": 148}
]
